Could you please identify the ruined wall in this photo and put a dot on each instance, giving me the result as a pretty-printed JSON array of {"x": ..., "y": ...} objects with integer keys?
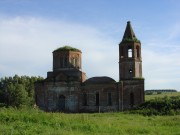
[
  {"x": 58, "y": 96},
  {"x": 72, "y": 97},
  {"x": 133, "y": 93},
  {"x": 106, "y": 92}
]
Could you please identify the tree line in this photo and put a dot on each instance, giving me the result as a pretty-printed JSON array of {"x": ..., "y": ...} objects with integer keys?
[{"x": 17, "y": 91}]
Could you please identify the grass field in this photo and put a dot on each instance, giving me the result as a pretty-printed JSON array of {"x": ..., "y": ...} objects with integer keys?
[
  {"x": 36, "y": 122},
  {"x": 168, "y": 94},
  {"x": 32, "y": 122}
]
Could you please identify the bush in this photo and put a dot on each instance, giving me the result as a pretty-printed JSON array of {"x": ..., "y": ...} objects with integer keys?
[
  {"x": 159, "y": 106},
  {"x": 149, "y": 93},
  {"x": 159, "y": 92}
]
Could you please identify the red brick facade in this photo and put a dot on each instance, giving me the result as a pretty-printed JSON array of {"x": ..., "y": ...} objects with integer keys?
[{"x": 66, "y": 88}]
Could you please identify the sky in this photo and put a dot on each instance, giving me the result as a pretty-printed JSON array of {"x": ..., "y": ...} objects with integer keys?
[{"x": 31, "y": 29}]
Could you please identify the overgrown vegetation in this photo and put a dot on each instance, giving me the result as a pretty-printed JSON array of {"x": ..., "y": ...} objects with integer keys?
[
  {"x": 160, "y": 106},
  {"x": 17, "y": 91},
  {"x": 31, "y": 122},
  {"x": 134, "y": 39},
  {"x": 67, "y": 48}
]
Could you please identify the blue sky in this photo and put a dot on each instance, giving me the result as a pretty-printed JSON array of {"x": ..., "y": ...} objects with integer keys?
[{"x": 31, "y": 29}]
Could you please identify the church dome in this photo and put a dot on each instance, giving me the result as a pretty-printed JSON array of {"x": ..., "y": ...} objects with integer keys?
[
  {"x": 66, "y": 58},
  {"x": 99, "y": 80}
]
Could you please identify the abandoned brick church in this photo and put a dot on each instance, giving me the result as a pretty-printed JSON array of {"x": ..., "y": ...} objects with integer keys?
[{"x": 66, "y": 88}]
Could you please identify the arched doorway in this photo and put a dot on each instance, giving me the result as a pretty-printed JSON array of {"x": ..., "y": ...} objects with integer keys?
[
  {"x": 61, "y": 103},
  {"x": 131, "y": 99}
]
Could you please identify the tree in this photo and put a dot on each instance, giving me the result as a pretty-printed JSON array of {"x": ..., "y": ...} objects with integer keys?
[{"x": 17, "y": 90}]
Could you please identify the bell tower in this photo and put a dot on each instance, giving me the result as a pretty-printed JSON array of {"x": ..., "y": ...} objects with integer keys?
[{"x": 130, "y": 62}]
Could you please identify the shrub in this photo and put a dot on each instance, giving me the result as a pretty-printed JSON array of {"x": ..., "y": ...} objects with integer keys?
[
  {"x": 159, "y": 106},
  {"x": 159, "y": 92},
  {"x": 149, "y": 93}
]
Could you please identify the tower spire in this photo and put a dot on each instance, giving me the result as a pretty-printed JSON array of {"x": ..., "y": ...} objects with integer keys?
[{"x": 129, "y": 34}]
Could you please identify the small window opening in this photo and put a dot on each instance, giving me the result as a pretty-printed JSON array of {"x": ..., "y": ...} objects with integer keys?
[
  {"x": 109, "y": 99},
  {"x": 97, "y": 99},
  {"x": 65, "y": 61},
  {"x": 85, "y": 99},
  {"x": 61, "y": 62},
  {"x": 130, "y": 71},
  {"x": 61, "y": 103},
  {"x": 129, "y": 52}
]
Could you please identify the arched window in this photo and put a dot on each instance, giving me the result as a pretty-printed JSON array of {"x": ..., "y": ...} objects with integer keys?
[
  {"x": 84, "y": 99},
  {"x": 129, "y": 52},
  {"x": 137, "y": 51},
  {"x": 65, "y": 61},
  {"x": 131, "y": 99},
  {"x": 97, "y": 99},
  {"x": 61, "y": 62},
  {"x": 109, "y": 99},
  {"x": 61, "y": 103}
]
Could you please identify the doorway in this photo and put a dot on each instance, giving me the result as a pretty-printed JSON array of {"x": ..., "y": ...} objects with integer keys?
[{"x": 61, "y": 103}]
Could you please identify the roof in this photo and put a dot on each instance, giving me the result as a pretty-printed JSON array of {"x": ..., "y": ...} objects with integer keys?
[
  {"x": 67, "y": 48},
  {"x": 100, "y": 80},
  {"x": 129, "y": 35}
]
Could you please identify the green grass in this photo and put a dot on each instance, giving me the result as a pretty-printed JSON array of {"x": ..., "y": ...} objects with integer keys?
[
  {"x": 168, "y": 94},
  {"x": 32, "y": 122}
]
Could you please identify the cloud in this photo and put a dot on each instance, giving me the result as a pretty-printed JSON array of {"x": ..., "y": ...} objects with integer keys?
[
  {"x": 26, "y": 46},
  {"x": 161, "y": 63}
]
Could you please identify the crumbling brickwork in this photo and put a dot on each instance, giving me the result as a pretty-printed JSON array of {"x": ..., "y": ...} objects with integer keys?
[{"x": 66, "y": 88}]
